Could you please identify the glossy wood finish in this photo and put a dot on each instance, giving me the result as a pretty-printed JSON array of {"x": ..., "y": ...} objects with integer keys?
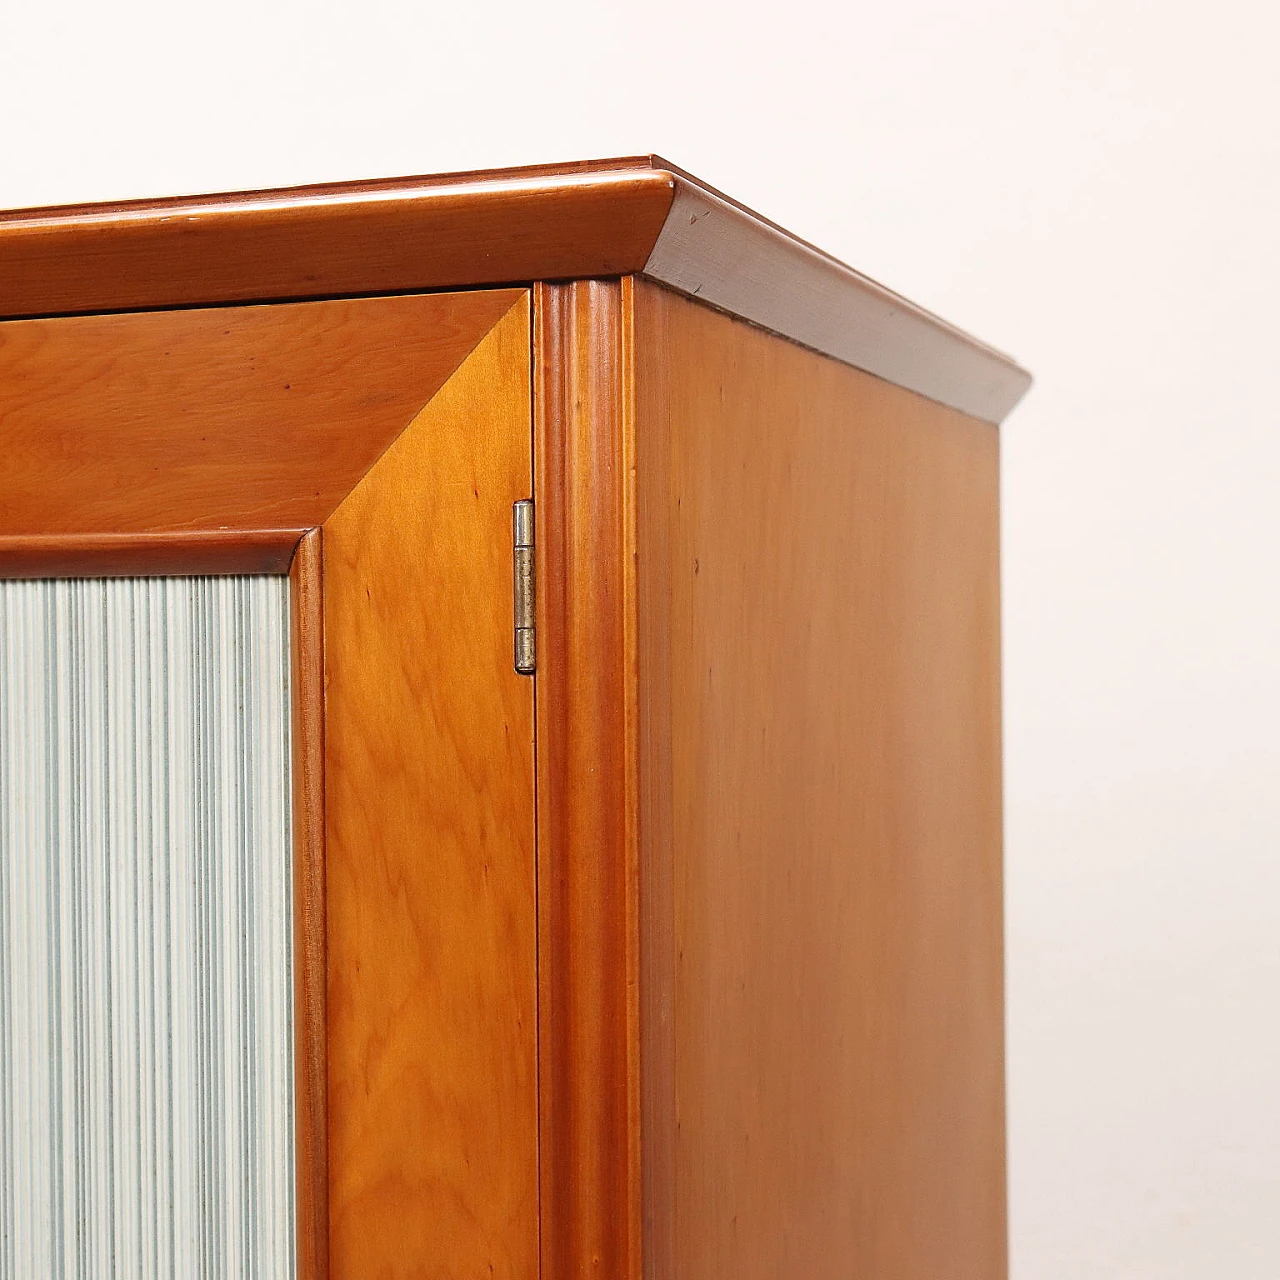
[
  {"x": 429, "y": 778},
  {"x": 605, "y": 218},
  {"x": 115, "y": 555},
  {"x": 820, "y": 815},
  {"x": 218, "y": 420},
  {"x": 749, "y": 1023},
  {"x": 588, "y": 956},
  {"x": 310, "y": 1024},
  {"x": 453, "y": 231}
]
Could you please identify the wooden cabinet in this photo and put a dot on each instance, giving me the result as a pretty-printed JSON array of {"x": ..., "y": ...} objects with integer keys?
[{"x": 680, "y": 957}]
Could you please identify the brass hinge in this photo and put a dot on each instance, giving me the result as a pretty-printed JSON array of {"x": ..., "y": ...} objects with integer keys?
[{"x": 526, "y": 643}]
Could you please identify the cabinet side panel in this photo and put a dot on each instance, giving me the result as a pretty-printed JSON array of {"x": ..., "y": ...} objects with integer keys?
[
  {"x": 820, "y": 821},
  {"x": 430, "y": 844}
]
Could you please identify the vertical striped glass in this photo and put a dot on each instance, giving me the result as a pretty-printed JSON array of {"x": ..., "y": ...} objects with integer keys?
[{"x": 146, "y": 1076}]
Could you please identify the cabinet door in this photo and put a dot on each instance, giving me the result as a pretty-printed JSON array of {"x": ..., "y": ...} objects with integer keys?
[{"x": 267, "y": 919}]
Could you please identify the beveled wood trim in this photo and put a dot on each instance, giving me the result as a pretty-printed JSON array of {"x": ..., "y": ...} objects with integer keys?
[
  {"x": 310, "y": 1045},
  {"x": 636, "y": 214},
  {"x": 127, "y": 555},
  {"x": 219, "y": 418},
  {"x": 722, "y": 254},
  {"x": 586, "y": 714},
  {"x": 400, "y": 237},
  {"x": 430, "y": 844},
  {"x": 321, "y": 190}
]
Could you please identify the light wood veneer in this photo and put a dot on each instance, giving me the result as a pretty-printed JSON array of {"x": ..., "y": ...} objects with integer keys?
[
  {"x": 429, "y": 844},
  {"x": 820, "y": 838},
  {"x": 216, "y": 420}
]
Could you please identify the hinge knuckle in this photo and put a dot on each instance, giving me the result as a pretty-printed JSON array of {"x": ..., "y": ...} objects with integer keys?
[{"x": 523, "y": 575}]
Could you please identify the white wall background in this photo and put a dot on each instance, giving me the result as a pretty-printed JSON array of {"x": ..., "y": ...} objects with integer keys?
[{"x": 1093, "y": 186}]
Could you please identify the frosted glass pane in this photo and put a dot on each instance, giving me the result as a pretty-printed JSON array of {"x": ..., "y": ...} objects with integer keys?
[{"x": 146, "y": 1108}]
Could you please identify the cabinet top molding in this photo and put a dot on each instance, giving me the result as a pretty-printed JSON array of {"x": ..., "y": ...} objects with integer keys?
[{"x": 637, "y": 215}]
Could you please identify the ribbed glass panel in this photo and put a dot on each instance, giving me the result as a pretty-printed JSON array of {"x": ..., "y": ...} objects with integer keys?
[{"x": 146, "y": 1109}]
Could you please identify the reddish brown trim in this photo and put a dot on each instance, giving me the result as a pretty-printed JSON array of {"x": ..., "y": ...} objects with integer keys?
[
  {"x": 588, "y": 948},
  {"x": 310, "y": 1023},
  {"x": 635, "y": 215},
  {"x": 124, "y": 555},
  {"x": 324, "y": 190},
  {"x": 401, "y": 237}
]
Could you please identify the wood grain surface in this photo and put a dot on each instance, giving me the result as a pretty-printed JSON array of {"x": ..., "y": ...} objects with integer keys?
[
  {"x": 451, "y": 231},
  {"x": 820, "y": 815},
  {"x": 310, "y": 1025},
  {"x": 429, "y": 781},
  {"x": 216, "y": 420},
  {"x": 588, "y": 957}
]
